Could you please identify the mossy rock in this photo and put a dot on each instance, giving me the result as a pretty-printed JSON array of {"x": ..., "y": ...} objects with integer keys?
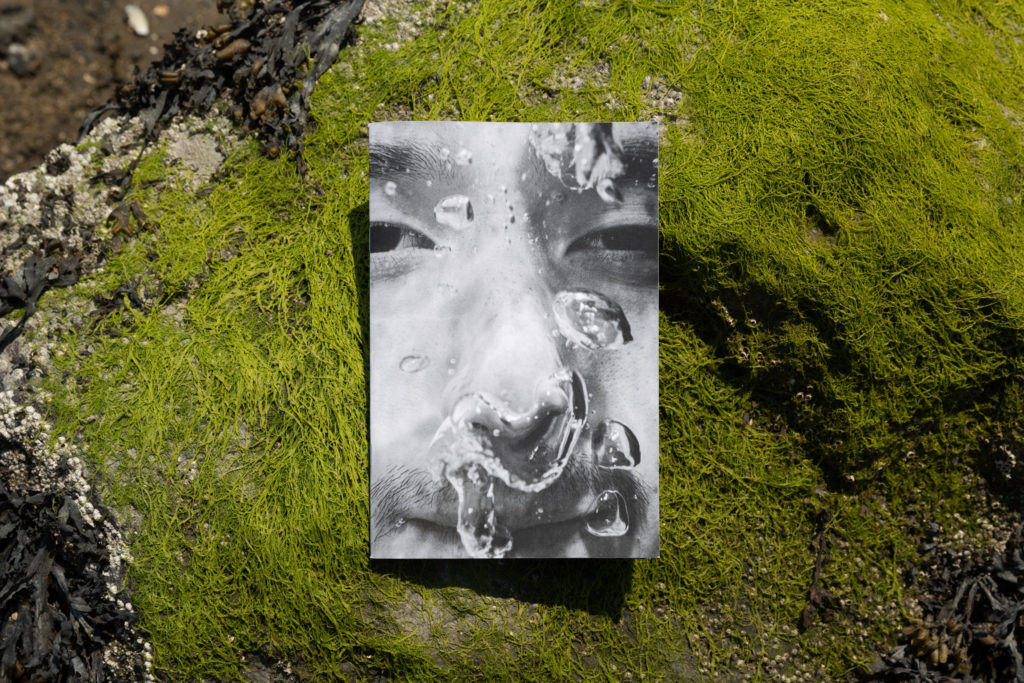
[{"x": 842, "y": 347}]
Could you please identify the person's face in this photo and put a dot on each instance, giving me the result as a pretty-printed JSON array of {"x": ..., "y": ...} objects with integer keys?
[{"x": 514, "y": 332}]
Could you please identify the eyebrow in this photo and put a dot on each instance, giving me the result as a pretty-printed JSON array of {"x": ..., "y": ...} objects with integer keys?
[{"x": 417, "y": 159}]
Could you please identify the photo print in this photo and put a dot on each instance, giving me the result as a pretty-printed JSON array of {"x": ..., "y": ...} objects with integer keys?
[{"x": 513, "y": 340}]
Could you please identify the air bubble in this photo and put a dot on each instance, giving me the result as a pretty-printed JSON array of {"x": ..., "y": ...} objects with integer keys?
[
  {"x": 608, "y": 516},
  {"x": 615, "y": 446},
  {"x": 390, "y": 188},
  {"x": 455, "y": 211},
  {"x": 479, "y": 530},
  {"x": 607, "y": 191},
  {"x": 463, "y": 157},
  {"x": 591, "y": 320},
  {"x": 414, "y": 363}
]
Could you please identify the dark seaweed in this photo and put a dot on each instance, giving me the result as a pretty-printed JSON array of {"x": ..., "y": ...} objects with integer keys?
[
  {"x": 974, "y": 629},
  {"x": 257, "y": 63},
  {"x": 55, "y": 615},
  {"x": 22, "y": 288}
]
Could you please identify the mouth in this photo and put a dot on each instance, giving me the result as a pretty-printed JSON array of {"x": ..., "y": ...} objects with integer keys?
[
  {"x": 417, "y": 517},
  {"x": 420, "y": 538}
]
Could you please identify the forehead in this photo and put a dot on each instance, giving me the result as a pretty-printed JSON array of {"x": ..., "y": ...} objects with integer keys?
[{"x": 476, "y": 151}]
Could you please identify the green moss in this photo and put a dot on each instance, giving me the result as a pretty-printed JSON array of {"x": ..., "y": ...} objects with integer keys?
[{"x": 841, "y": 220}]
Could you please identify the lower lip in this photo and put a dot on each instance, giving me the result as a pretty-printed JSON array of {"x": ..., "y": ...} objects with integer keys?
[{"x": 420, "y": 539}]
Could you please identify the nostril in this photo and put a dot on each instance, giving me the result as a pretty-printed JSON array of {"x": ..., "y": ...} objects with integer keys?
[
  {"x": 526, "y": 450},
  {"x": 483, "y": 440}
]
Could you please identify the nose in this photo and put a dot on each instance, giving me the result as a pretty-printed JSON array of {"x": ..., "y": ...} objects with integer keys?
[
  {"x": 508, "y": 348},
  {"x": 511, "y": 401}
]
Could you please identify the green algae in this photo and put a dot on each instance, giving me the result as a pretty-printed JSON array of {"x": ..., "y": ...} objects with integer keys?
[{"x": 841, "y": 286}]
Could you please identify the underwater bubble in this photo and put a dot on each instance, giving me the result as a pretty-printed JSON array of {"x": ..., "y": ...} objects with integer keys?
[
  {"x": 430, "y": 183},
  {"x": 463, "y": 157},
  {"x": 413, "y": 363},
  {"x": 607, "y": 191},
  {"x": 390, "y": 188},
  {"x": 455, "y": 211},
  {"x": 479, "y": 529},
  {"x": 608, "y": 517},
  {"x": 591, "y": 320},
  {"x": 615, "y": 446}
]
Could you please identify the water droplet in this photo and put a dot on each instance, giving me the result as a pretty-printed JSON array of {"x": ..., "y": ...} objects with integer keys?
[
  {"x": 615, "y": 446},
  {"x": 591, "y": 320},
  {"x": 496, "y": 432},
  {"x": 479, "y": 530},
  {"x": 455, "y": 211},
  {"x": 607, "y": 191},
  {"x": 430, "y": 183},
  {"x": 452, "y": 361},
  {"x": 390, "y": 188},
  {"x": 413, "y": 363},
  {"x": 463, "y": 157},
  {"x": 522, "y": 176},
  {"x": 608, "y": 517}
]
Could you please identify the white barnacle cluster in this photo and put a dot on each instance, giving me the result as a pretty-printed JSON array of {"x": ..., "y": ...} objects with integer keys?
[{"x": 59, "y": 468}]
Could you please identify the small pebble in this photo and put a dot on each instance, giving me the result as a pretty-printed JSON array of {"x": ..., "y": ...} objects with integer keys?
[{"x": 137, "y": 20}]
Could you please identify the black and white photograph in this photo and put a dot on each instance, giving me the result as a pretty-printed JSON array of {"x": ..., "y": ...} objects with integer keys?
[{"x": 513, "y": 340}]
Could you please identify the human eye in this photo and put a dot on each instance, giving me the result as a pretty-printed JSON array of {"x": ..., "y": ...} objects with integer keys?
[
  {"x": 396, "y": 248},
  {"x": 396, "y": 237},
  {"x": 625, "y": 253}
]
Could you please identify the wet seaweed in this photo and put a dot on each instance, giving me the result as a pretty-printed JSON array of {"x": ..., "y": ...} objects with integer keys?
[
  {"x": 974, "y": 628},
  {"x": 56, "y": 619},
  {"x": 22, "y": 288},
  {"x": 264, "y": 64}
]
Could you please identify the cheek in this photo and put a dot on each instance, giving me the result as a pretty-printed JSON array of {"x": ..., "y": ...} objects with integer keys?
[
  {"x": 409, "y": 368},
  {"x": 623, "y": 384}
]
